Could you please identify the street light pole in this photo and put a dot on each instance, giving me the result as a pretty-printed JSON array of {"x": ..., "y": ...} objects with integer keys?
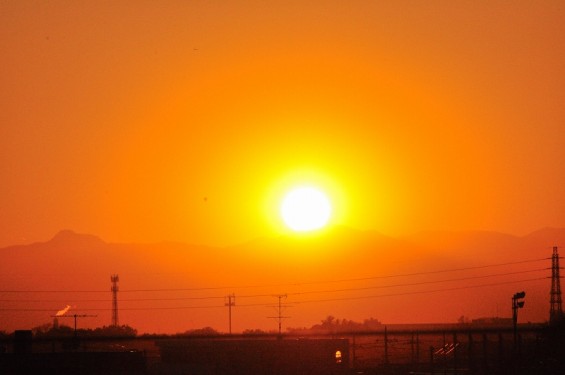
[{"x": 517, "y": 303}]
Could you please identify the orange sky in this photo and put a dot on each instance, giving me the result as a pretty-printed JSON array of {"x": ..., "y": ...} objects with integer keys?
[{"x": 119, "y": 119}]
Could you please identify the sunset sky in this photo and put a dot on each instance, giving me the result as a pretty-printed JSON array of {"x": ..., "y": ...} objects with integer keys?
[
  {"x": 189, "y": 121},
  {"x": 143, "y": 121}
]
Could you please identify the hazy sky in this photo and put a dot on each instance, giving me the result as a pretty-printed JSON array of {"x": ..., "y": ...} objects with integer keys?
[{"x": 187, "y": 120}]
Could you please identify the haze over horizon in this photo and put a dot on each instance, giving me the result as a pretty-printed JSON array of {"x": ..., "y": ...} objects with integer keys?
[
  {"x": 329, "y": 231},
  {"x": 171, "y": 287}
]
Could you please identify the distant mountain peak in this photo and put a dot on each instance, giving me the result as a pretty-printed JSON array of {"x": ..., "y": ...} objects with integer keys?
[
  {"x": 70, "y": 237},
  {"x": 548, "y": 236},
  {"x": 551, "y": 231}
]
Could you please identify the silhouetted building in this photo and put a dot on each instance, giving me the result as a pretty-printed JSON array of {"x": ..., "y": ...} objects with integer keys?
[
  {"x": 87, "y": 363},
  {"x": 22, "y": 341},
  {"x": 29, "y": 359},
  {"x": 258, "y": 357}
]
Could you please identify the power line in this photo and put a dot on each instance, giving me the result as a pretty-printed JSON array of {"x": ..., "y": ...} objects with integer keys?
[
  {"x": 297, "y": 293},
  {"x": 108, "y": 300},
  {"x": 129, "y": 309},
  {"x": 418, "y": 283},
  {"x": 421, "y": 292},
  {"x": 283, "y": 285},
  {"x": 424, "y": 272},
  {"x": 298, "y": 302},
  {"x": 344, "y": 280}
]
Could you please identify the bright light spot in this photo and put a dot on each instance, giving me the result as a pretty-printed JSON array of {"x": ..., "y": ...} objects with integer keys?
[
  {"x": 305, "y": 209},
  {"x": 338, "y": 356}
]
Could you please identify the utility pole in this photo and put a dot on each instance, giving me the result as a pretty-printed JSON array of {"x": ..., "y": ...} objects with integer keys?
[
  {"x": 280, "y": 316},
  {"x": 517, "y": 303},
  {"x": 114, "y": 279},
  {"x": 386, "y": 346},
  {"x": 75, "y": 316},
  {"x": 555, "y": 308},
  {"x": 230, "y": 302}
]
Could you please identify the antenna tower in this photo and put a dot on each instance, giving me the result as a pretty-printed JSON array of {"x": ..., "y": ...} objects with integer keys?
[
  {"x": 555, "y": 309},
  {"x": 114, "y": 289}
]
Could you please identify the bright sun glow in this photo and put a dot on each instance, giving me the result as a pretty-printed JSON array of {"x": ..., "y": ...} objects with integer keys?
[{"x": 306, "y": 208}]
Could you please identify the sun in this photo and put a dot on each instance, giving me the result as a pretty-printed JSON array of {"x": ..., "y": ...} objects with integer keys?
[{"x": 305, "y": 209}]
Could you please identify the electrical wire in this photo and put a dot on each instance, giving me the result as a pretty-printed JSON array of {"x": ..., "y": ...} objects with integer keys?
[
  {"x": 295, "y": 293},
  {"x": 421, "y": 292},
  {"x": 418, "y": 283},
  {"x": 294, "y": 302},
  {"x": 283, "y": 285}
]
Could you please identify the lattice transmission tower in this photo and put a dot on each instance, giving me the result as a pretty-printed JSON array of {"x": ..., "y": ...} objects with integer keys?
[
  {"x": 555, "y": 307},
  {"x": 114, "y": 289}
]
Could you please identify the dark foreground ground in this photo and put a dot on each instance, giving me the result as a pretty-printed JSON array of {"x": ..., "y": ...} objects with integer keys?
[{"x": 534, "y": 350}]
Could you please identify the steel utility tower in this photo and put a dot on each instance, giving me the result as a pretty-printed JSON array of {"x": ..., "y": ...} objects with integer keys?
[
  {"x": 114, "y": 289},
  {"x": 555, "y": 308}
]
